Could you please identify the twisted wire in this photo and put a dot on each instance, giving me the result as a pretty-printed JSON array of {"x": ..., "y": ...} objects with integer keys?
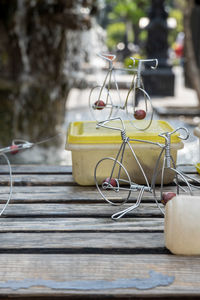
[
  {"x": 11, "y": 184},
  {"x": 123, "y": 136}
]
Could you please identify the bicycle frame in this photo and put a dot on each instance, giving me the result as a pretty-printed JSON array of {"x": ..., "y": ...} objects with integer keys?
[
  {"x": 108, "y": 79},
  {"x": 135, "y": 87},
  {"x": 168, "y": 163},
  {"x": 119, "y": 160}
]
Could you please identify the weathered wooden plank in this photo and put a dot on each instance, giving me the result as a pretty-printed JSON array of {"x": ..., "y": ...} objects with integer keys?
[
  {"x": 57, "y": 193},
  {"x": 40, "y": 194},
  {"x": 35, "y": 179},
  {"x": 36, "y": 169},
  {"x": 82, "y": 242},
  {"x": 44, "y": 189},
  {"x": 60, "y": 169},
  {"x": 78, "y": 210},
  {"x": 79, "y": 270},
  {"x": 80, "y": 225},
  {"x": 56, "y": 179},
  {"x": 84, "y": 197},
  {"x": 67, "y": 194},
  {"x": 53, "y": 177}
]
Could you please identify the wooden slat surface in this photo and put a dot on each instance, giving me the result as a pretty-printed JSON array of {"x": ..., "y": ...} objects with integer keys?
[
  {"x": 34, "y": 179},
  {"x": 37, "y": 169},
  {"x": 58, "y": 231},
  {"x": 87, "y": 268},
  {"x": 76, "y": 224},
  {"x": 79, "y": 210},
  {"x": 81, "y": 242},
  {"x": 52, "y": 169},
  {"x": 67, "y": 194}
]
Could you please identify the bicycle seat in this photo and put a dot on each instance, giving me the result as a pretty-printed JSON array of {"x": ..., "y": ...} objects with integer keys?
[{"x": 109, "y": 57}]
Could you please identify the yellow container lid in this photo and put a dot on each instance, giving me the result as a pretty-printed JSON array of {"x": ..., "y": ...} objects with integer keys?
[
  {"x": 198, "y": 167},
  {"x": 85, "y": 132}
]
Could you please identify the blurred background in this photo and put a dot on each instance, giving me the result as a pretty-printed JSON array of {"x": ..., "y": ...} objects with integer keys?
[{"x": 49, "y": 63}]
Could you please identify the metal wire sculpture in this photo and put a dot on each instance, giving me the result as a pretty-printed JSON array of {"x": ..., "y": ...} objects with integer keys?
[
  {"x": 16, "y": 146},
  {"x": 117, "y": 187},
  {"x": 102, "y": 105}
]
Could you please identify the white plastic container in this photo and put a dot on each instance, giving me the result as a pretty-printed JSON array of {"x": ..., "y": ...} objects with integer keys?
[
  {"x": 182, "y": 225},
  {"x": 89, "y": 145}
]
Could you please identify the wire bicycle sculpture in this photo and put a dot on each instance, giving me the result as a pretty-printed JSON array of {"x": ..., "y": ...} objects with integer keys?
[
  {"x": 117, "y": 187},
  {"x": 102, "y": 106},
  {"x": 16, "y": 146}
]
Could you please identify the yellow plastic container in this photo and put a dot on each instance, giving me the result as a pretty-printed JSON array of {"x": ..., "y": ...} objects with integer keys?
[
  {"x": 89, "y": 144},
  {"x": 197, "y": 133}
]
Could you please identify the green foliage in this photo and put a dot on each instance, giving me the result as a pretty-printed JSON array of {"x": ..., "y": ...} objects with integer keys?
[
  {"x": 143, "y": 35},
  {"x": 115, "y": 34},
  {"x": 127, "y": 9},
  {"x": 124, "y": 19},
  {"x": 128, "y": 62}
]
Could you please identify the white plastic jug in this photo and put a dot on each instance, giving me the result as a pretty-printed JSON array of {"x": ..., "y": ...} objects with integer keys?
[{"x": 182, "y": 225}]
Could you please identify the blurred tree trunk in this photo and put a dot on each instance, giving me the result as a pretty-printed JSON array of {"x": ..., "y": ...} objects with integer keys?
[
  {"x": 136, "y": 31},
  {"x": 191, "y": 63},
  {"x": 34, "y": 82}
]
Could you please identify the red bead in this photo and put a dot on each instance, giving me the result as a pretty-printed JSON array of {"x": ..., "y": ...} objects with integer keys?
[
  {"x": 167, "y": 196},
  {"x": 139, "y": 114},
  {"x": 111, "y": 181},
  {"x": 14, "y": 149},
  {"x": 99, "y": 104}
]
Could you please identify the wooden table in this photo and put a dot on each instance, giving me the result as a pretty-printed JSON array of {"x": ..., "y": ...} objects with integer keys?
[{"x": 57, "y": 240}]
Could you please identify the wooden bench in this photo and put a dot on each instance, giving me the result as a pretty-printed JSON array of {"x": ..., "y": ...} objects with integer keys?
[{"x": 57, "y": 240}]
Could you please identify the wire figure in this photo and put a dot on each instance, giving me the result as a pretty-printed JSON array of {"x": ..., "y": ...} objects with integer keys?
[
  {"x": 103, "y": 107},
  {"x": 117, "y": 187},
  {"x": 16, "y": 146},
  {"x": 2, "y": 154}
]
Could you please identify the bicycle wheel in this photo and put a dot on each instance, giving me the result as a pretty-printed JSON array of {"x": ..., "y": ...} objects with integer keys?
[
  {"x": 100, "y": 103},
  {"x": 5, "y": 161},
  {"x": 139, "y": 108},
  {"x": 112, "y": 181},
  {"x": 160, "y": 190}
]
